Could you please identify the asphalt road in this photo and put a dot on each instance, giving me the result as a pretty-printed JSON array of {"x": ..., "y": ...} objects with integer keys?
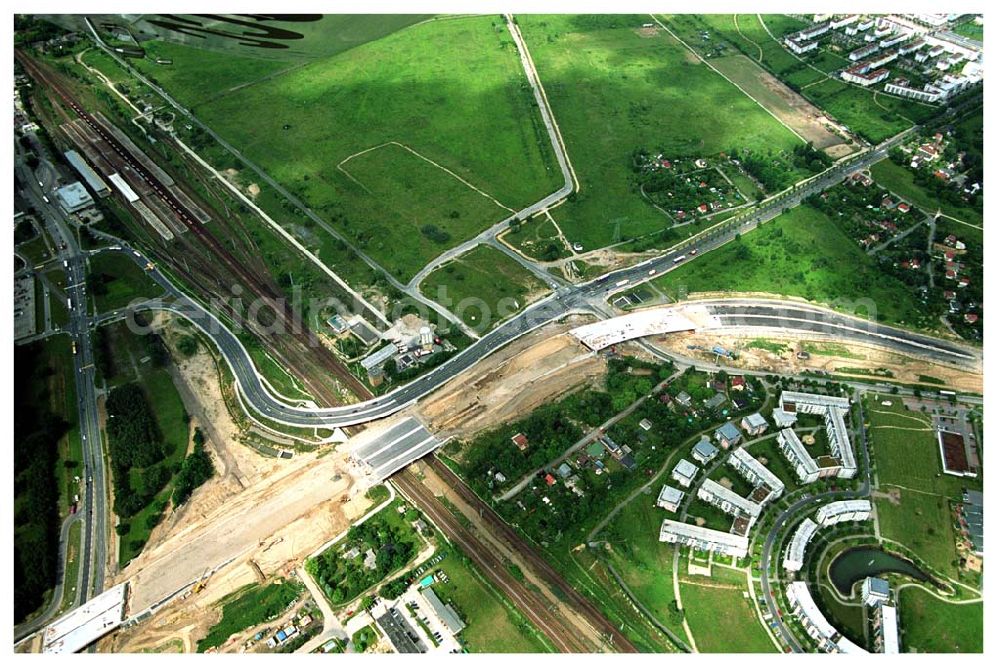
[
  {"x": 585, "y": 298},
  {"x": 93, "y": 511}
]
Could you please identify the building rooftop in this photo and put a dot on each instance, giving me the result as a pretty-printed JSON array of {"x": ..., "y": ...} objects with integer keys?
[
  {"x": 728, "y": 431},
  {"x": 686, "y": 469},
  {"x": 798, "y": 594},
  {"x": 756, "y": 420},
  {"x": 445, "y": 612},
  {"x": 739, "y": 503},
  {"x": 95, "y": 182},
  {"x": 760, "y": 472},
  {"x": 74, "y": 196},
  {"x": 716, "y": 401},
  {"x": 800, "y": 540},
  {"x": 843, "y": 507},
  {"x": 890, "y": 630},
  {"x": 878, "y": 586},
  {"x": 705, "y": 449},
  {"x": 808, "y": 399},
  {"x": 379, "y": 357},
  {"x": 703, "y": 534},
  {"x": 670, "y": 495}
]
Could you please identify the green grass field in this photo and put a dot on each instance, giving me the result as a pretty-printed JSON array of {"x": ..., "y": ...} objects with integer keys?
[
  {"x": 722, "y": 620},
  {"x": 452, "y": 90},
  {"x": 642, "y": 561},
  {"x": 249, "y": 606},
  {"x": 923, "y": 523},
  {"x": 614, "y": 90},
  {"x": 969, "y": 29},
  {"x": 195, "y": 73},
  {"x": 115, "y": 280},
  {"x": 482, "y": 277},
  {"x": 428, "y": 209},
  {"x": 35, "y": 250},
  {"x": 932, "y": 625},
  {"x": 493, "y": 624},
  {"x": 72, "y": 572},
  {"x": 776, "y": 462},
  {"x": 848, "y": 619},
  {"x": 906, "y": 455},
  {"x": 802, "y": 253},
  {"x": 538, "y": 238},
  {"x": 900, "y": 180},
  {"x": 906, "y": 450},
  {"x": 713, "y": 517}
]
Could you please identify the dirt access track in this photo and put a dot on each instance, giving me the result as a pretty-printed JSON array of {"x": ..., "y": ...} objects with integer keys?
[
  {"x": 828, "y": 355},
  {"x": 791, "y": 108}
]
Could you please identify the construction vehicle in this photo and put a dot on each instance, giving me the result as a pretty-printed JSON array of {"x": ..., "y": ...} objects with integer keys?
[{"x": 200, "y": 584}]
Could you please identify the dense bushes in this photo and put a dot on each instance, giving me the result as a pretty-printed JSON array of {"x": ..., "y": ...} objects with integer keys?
[
  {"x": 36, "y": 515},
  {"x": 136, "y": 445},
  {"x": 196, "y": 469},
  {"x": 342, "y": 578},
  {"x": 251, "y": 606}
]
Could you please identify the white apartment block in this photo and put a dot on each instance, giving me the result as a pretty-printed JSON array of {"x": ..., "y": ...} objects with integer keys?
[
  {"x": 756, "y": 473},
  {"x": 843, "y": 21},
  {"x": 808, "y": 613},
  {"x": 855, "y": 510},
  {"x": 793, "y": 450},
  {"x": 863, "y": 52},
  {"x": 833, "y": 410},
  {"x": 840, "y": 443},
  {"x": 795, "y": 553},
  {"x": 886, "y": 629},
  {"x": 806, "y": 402},
  {"x": 815, "y": 624},
  {"x": 799, "y": 48},
  {"x": 703, "y": 538},
  {"x": 727, "y": 500},
  {"x": 929, "y": 93}
]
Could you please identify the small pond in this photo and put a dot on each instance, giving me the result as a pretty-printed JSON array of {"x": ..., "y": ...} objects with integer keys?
[{"x": 857, "y": 563}]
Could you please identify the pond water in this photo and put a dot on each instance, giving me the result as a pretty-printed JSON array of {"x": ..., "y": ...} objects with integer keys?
[{"x": 857, "y": 563}]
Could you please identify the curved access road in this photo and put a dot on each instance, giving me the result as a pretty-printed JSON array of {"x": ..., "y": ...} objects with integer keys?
[
  {"x": 590, "y": 297},
  {"x": 577, "y": 299}
]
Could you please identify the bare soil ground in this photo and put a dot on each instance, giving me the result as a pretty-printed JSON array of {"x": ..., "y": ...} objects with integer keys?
[
  {"x": 904, "y": 369},
  {"x": 272, "y": 521},
  {"x": 261, "y": 515},
  {"x": 536, "y": 369}
]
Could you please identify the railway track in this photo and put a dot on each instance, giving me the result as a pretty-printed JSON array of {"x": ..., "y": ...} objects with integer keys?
[
  {"x": 277, "y": 304},
  {"x": 582, "y": 604},
  {"x": 531, "y": 604}
]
